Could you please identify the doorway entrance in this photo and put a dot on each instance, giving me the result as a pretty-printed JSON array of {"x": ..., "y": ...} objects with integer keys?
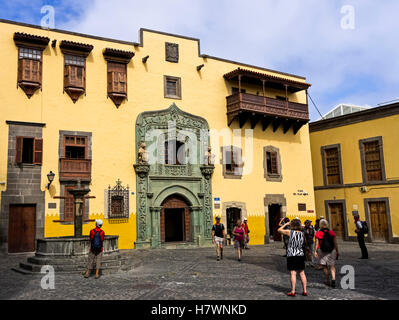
[
  {"x": 232, "y": 215},
  {"x": 379, "y": 220},
  {"x": 337, "y": 222},
  {"x": 175, "y": 220},
  {"x": 22, "y": 228},
  {"x": 274, "y": 221}
]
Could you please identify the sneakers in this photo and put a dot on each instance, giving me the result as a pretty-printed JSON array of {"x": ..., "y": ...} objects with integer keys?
[
  {"x": 218, "y": 258},
  {"x": 333, "y": 284}
]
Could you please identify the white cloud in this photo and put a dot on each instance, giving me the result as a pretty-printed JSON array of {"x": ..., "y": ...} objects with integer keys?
[{"x": 296, "y": 36}]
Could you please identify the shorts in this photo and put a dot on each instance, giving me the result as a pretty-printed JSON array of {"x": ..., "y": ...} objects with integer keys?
[
  {"x": 238, "y": 244},
  {"x": 327, "y": 259},
  {"x": 296, "y": 263},
  {"x": 219, "y": 240}
]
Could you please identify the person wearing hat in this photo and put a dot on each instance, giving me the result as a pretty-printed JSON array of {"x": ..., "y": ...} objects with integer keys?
[
  {"x": 96, "y": 249},
  {"x": 245, "y": 226},
  {"x": 218, "y": 236}
]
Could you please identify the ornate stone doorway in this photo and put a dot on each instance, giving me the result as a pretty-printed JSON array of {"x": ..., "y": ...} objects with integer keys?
[
  {"x": 275, "y": 208},
  {"x": 174, "y": 198},
  {"x": 175, "y": 220}
]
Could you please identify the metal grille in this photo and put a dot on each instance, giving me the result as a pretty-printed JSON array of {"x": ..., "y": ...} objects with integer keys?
[{"x": 118, "y": 201}]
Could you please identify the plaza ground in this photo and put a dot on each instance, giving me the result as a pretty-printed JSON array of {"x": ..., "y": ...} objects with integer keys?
[{"x": 195, "y": 274}]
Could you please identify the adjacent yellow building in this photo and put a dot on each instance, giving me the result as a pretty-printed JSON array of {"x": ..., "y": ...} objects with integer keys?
[
  {"x": 355, "y": 170},
  {"x": 80, "y": 108}
]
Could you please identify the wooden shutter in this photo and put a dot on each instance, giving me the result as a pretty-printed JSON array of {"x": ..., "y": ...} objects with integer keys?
[
  {"x": 68, "y": 204},
  {"x": 35, "y": 70},
  {"x": 18, "y": 149},
  {"x": 273, "y": 163},
  {"x": 20, "y": 69},
  {"x": 38, "y": 151},
  {"x": 117, "y": 77}
]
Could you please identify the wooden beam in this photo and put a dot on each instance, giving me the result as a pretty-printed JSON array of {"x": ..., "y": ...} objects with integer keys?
[
  {"x": 243, "y": 117},
  {"x": 298, "y": 125},
  {"x": 276, "y": 123},
  {"x": 287, "y": 125},
  {"x": 254, "y": 120},
  {"x": 265, "y": 122}
]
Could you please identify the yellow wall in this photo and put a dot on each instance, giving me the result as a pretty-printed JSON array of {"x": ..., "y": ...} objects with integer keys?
[
  {"x": 348, "y": 137},
  {"x": 113, "y": 129}
]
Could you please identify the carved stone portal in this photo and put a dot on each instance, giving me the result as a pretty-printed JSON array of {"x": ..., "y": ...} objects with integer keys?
[{"x": 190, "y": 181}]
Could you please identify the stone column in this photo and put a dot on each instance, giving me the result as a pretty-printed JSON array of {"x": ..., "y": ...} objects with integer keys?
[
  {"x": 78, "y": 217},
  {"x": 207, "y": 216},
  {"x": 155, "y": 227},
  {"x": 143, "y": 230},
  {"x": 196, "y": 224}
]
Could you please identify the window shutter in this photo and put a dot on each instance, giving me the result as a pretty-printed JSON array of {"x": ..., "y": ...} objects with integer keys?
[
  {"x": 26, "y": 69},
  {"x": 109, "y": 80},
  {"x": 38, "y": 151},
  {"x": 18, "y": 150},
  {"x": 20, "y": 69},
  {"x": 273, "y": 160}
]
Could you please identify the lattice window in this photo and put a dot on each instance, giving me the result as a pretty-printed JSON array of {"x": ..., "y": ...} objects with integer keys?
[
  {"x": 118, "y": 201},
  {"x": 372, "y": 161},
  {"x": 272, "y": 165},
  {"x": 332, "y": 166}
]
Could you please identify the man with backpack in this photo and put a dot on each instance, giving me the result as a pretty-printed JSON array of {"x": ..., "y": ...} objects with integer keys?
[
  {"x": 326, "y": 249},
  {"x": 218, "y": 236},
  {"x": 361, "y": 230},
  {"x": 96, "y": 249}
]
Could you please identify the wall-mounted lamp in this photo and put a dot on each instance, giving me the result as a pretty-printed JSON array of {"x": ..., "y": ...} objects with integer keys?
[
  {"x": 145, "y": 59},
  {"x": 200, "y": 67},
  {"x": 53, "y": 43},
  {"x": 50, "y": 177}
]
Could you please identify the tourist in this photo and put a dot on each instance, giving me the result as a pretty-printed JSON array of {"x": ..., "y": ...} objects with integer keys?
[
  {"x": 218, "y": 236},
  {"x": 326, "y": 250},
  {"x": 309, "y": 237},
  {"x": 239, "y": 238},
  {"x": 317, "y": 225},
  {"x": 295, "y": 254},
  {"x": 360, "y": 231},
  {"x": 285, "y": 221},
  {"x": 245, "y": 226},
  {"x": 96, "y": 248}
]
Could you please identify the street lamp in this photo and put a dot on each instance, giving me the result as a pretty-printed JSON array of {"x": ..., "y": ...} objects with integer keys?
[{"x": 50, "y": 177}]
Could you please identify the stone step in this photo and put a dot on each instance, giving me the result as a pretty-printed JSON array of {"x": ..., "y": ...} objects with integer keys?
[
  {"x": 65, "y": 261},
  {"x": 104, "y": 271},
  {"x": 29, "y": 268}
]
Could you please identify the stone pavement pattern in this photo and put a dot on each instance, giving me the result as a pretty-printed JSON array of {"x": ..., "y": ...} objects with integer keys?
[{"x": 195, "y": 274}]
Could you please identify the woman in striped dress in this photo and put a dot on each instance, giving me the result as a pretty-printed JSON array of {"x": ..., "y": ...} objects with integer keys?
[{"x": 295, "y": 254}]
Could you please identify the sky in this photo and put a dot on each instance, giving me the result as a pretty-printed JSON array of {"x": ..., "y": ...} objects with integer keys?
[{"x": 347, "y": 49}]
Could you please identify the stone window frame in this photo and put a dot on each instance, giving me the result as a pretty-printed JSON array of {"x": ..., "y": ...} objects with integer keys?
[
  {"x": 272, "y": 177},
  {"x": 323, "y": 163},
  {"x": 178, "y": 87},
  {"x": 239, "y": 171},
  {"x": 363, "y": 159},
  {"x": 233, "y": 204}
]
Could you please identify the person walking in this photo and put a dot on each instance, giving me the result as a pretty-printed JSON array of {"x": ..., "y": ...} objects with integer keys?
[
  {"x": 309, "y": 237},
  {"x": 246, "y": 229},
  {"x": 285, "y": 221},
  {"x": 239, "y": 238},
  {"x": 295, "y": 254},
  {"x": 326, "y": 249},
  {"x": 218, "y": 236},
  {"x": 96, "y": 249},
  {"x": 360, "y": 232}
]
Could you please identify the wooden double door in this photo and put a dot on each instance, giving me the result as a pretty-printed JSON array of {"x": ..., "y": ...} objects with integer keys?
[
  {"x": 337, "y": 221},
  {"x": 379, "y": 220},
  {"x": 22, "y": 228},
  {"x": 175, "y": 220}
]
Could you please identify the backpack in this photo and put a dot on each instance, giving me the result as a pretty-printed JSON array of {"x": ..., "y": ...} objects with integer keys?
[
  {"x": 327, "y": 243},
  {"x": 365, "y": 227},
  {"x": 96, "y": 243}
]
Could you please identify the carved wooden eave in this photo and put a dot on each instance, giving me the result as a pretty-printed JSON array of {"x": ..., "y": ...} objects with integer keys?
[
  {"x": 29, "y": 40},
  {"x": 29, "y": 87},
  {"x": 117, "y": 98},
  {"x": 70, "y": 47},
  {"x": 74, "y": 93},
  {"x": 118, "y": 55}
]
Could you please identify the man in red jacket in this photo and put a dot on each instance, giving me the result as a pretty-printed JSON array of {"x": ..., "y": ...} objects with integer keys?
[{"x": 96, "y": 249}]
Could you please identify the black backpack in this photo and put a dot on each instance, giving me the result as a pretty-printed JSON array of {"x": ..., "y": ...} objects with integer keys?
[
  {"x": 365, "y": 227},
  {"x": 327, "y": 243},
  {"x": 96, "y": 243}
]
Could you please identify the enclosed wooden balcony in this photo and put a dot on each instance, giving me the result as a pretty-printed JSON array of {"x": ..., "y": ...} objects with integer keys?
[
  {"x": 263, "y": 109},
  {"x": 73, "y": 169}
]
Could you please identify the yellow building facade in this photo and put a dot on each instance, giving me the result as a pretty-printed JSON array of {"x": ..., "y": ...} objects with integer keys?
[
  {"x": 356, "y": 171},
  {"x": 78, "y": 107}
]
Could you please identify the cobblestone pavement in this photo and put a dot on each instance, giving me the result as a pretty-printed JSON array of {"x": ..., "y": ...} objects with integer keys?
[{"x": 195, "y": 274}]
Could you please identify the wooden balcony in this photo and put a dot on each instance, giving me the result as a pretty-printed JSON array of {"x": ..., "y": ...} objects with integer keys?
[
  {"x": 73, "y": 169},
  {"x": 269, "y": 111}
]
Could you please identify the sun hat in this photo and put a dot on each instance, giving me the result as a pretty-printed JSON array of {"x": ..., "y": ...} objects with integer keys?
[{"x": 99, "y": 223}]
